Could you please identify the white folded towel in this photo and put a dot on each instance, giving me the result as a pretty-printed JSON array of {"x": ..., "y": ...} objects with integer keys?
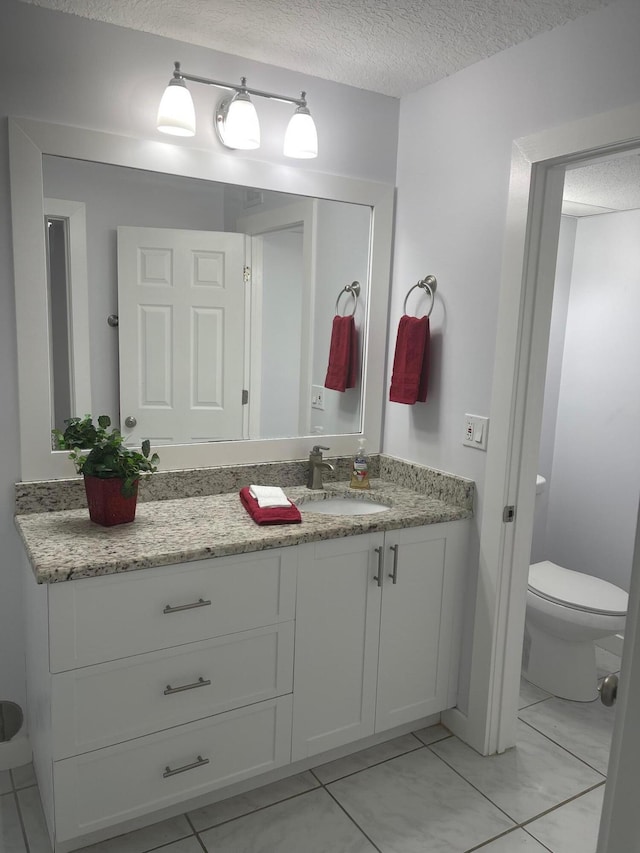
[{"x": 269, "y": 496}]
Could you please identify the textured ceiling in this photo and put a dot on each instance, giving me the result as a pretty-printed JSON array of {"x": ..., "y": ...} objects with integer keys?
[
  {"x": 612, "y": 184},
  {"x": 389, "y": 46}
]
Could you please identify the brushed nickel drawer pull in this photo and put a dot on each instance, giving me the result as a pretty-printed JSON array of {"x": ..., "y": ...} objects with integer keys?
[
  {"x": 201, "y": 682},
  {"x": 199, "y": 762},
  {"x": 378, "y": 577},
  {"x": 394, "y": 573},
  {"x": 199, "y": 603}
]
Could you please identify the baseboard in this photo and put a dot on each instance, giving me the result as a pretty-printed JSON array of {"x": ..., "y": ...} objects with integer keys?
[{"x": 612, "y": 644}]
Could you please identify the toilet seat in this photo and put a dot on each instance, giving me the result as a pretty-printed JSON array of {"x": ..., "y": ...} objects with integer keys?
[{"x": 576, "y": 590}]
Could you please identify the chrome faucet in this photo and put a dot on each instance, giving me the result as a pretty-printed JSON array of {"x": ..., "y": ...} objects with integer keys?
[{"x": 316, "y": 466}]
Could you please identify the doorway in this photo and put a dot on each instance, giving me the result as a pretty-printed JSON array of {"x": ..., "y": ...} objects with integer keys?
[{"x": 533, "y": 221}]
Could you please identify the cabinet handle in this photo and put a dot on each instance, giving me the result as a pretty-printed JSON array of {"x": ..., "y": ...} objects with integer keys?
[
  {"x": 378, "y": 577},
  {"x": 199, "y": 762},
  {"x": 199, "y": 603},
  {"x": 201, "y": 682},
  {"x": 394, "y": 574}
]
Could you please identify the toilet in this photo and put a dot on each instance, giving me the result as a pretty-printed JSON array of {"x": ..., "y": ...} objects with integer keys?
[{"x": 566, "y": 612}]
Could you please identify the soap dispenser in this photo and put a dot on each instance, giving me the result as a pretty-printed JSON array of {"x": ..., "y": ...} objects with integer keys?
[{"x": 360, "y": 468}]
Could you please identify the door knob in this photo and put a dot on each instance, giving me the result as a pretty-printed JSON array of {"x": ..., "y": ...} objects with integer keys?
[
  {"x": 608, "y": 690},
  {"x": 130, "y": 422}
]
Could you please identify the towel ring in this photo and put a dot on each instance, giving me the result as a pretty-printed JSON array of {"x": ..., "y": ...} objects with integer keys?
[
  {"x": 352, "y": 289},
  {"x": 428, "y": 284}
]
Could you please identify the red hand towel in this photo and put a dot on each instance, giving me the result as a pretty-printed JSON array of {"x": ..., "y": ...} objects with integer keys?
[
  {"x": 343, "y": 355},
  {"x": 410, "y": 376},
  {"x": 269, "y": 515}
]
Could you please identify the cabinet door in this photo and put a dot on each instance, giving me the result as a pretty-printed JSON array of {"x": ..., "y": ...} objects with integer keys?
[
  {"x": 417, "y": 621},
  {"x": 336, "y": 644}
]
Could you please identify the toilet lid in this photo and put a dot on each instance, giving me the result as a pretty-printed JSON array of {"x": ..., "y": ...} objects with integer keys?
[{"x": 577, "y": 590}]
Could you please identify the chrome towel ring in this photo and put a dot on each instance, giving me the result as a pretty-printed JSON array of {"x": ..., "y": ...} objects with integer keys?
[
  {"x": 428, "y": 284},
  {"x": 353, "y": 290}
]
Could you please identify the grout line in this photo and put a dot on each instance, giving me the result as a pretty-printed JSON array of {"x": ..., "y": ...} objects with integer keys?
[
  {"x": 22, "y": 824},
  {"x": 541, "y": 843},
  {"x": 566, "y": 749},
  {"x": 563, "y": 803},
  {"x": 201, "y": 843},
  {"x": 352, "y": 819},
  {"x": 254, "y": 811},
  {"x": 537, "y": 702},
  {"x": 458, "y": 773},
  {"x": 420, "y": 745}
]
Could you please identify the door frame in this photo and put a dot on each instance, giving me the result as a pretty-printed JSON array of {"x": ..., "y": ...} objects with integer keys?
[
  {"x": 256, "y": 225},
  {"x": 528, "y": 270}
]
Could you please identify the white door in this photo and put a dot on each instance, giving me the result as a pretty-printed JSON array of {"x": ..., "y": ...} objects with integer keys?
[
  {"x": 181, "y": 306},
  {"x": 336, "y": 643}
]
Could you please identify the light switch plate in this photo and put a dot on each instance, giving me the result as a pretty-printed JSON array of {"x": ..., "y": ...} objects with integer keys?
[
  {"x": 476, "y": 430},
  {"x": 317, "y": 397}
]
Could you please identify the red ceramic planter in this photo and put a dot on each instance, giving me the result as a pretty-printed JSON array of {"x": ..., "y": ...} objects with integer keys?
[{"x": 107, "y": 506}]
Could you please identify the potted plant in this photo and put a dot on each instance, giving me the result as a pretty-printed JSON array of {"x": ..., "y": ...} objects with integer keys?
[{"x": 111, "y": 470}]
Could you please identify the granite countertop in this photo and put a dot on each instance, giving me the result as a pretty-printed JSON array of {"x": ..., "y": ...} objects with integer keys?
[{"x": 66, "y": 545}]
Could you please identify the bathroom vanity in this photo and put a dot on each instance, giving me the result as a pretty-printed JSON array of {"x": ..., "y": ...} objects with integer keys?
[{"x": 176, "y": 656}]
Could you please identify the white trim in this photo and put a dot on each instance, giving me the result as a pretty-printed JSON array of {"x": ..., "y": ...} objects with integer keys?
[
  {"x": 29, "y": 140},
  {"x": 256, "y": 224},
  {"x": 521, "y": 348},
  {"x": 78, "y": 300}
]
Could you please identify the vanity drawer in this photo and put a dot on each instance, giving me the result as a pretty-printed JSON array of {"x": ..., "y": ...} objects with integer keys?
[
  {"x": 112, "y": 702},
  {"x": 108, "y": 786},
  {"x": 99, "y": 619}
]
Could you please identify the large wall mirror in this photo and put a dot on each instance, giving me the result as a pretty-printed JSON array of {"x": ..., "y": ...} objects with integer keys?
[{"x": 191, "y": 297}]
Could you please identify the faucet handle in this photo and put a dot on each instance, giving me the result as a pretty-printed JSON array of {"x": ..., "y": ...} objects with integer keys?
[{"x": 318, "y": 448}]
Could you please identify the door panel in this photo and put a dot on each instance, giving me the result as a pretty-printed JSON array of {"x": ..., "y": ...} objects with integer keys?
[{"x": 181, "y": 298}]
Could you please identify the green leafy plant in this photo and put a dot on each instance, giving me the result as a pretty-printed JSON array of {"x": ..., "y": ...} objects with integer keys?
[{"x": 108, "y": 457}]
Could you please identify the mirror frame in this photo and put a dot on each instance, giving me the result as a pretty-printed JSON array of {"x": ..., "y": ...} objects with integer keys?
[{"x": 29, "y": 140}]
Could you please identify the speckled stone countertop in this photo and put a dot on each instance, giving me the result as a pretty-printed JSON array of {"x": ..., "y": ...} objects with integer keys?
[{"x": 65, "y": 545}]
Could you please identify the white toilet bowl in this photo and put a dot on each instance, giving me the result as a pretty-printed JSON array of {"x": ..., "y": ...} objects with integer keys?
[{"x": 566, "y": 612}]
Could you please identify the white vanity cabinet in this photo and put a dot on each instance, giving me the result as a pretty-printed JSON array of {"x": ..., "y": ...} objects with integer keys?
[
  {"x": 377, "y": 633},
  {"x": 151, "y": 687}
]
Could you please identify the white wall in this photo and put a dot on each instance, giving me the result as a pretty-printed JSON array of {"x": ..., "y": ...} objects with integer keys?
[
  {"x": 65, "y": 69},
  {"x": 562, "y": 285},
  {"x": 337, "y": 264},
  {"x": 454, "y": 157},
  {"x": 595, "y": 477},
  {"x": 282, "y": 285}
]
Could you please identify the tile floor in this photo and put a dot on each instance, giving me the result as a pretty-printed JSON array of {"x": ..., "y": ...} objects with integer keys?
[{"x": 424, "y": 792}]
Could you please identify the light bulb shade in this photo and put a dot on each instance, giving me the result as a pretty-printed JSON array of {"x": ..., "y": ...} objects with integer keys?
[
  {"x": 301, "y": 138},
  {"x": 176, "y": 113},
  {"x": 238, "y": 123}
]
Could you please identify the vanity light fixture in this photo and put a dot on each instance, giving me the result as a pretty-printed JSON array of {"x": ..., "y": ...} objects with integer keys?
[{"x": 236, "y": 120}]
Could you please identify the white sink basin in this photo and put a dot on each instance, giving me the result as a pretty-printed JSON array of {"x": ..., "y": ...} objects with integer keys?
[{"x": 342, "y": 506}]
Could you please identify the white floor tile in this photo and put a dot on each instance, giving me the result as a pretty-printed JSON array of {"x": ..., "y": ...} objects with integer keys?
[
  {"x": 584, "y": 728},
  {"x": 416, "y": 804},
  {"x": 11, "y": 838},
  {"x": 606, "y": 662},
  {"x": 35, "y": 826},
  {"x": 5, "y": 782},
  {"x": 432, "y": 734},
  {"x": 242, "y": 804},
  {"x": 515, "y": 842},
  {"x": 142, "y": 840},
  {"x": 572, "y": 828},
  {"x": 524, "y": 781},
  {"x": 367, "y": 758},
  {"x": 312, "y": 823},
  {"x": 530, "y": 694},
  {"x": 23, "y": 777}
]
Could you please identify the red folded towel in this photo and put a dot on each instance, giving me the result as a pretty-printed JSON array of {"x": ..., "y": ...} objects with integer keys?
[
  {"x": 269, "y": 515},
  {"x": 410, "y": 375},
  {"x": 343, "y": 355}
]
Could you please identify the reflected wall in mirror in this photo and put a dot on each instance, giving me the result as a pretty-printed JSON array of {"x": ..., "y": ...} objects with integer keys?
[
  {"x": 286, "y": 333},
  {"x": 225, "y": 297}
]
